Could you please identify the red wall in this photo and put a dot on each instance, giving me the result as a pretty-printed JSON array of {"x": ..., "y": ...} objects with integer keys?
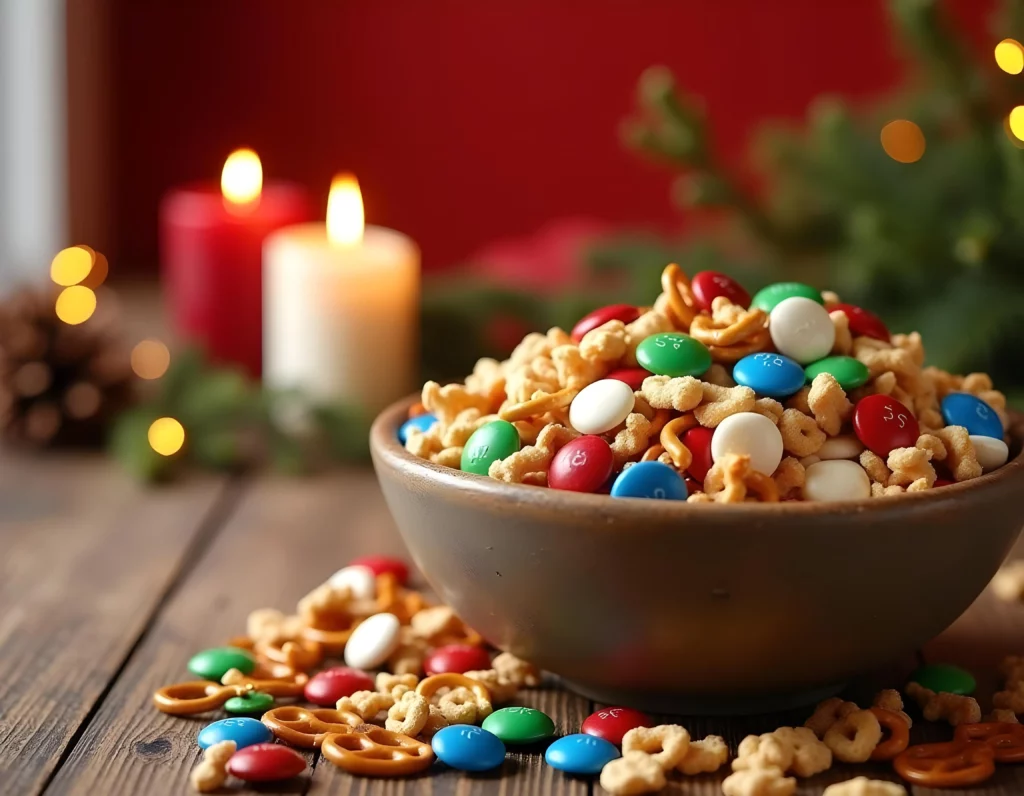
[{"x": 464, "y": 120}]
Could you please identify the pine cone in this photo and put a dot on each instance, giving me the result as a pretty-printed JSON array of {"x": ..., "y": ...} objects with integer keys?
[{"x": 59, "y": 384}]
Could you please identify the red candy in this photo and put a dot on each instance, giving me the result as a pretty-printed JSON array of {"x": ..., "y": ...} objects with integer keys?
[
  {"x": 698, "y": 440},
  {"x": 883, "y": 423},
  {"x": 612, "y": 723},
  {"x": 709, "y": 285},
  {"x": 458, "y": 658},
  {"x": 381, "y": 564},
  {"x": 330, "y": 685},
  {"x": 626, "y": 313},
  {"x": 581, "y": 466},
  {"x": 942, "y": 482},
  {"x": 634, "y": 377},
  {"x": 862, "y": 322},
  {"x": 266, "y": 762}
]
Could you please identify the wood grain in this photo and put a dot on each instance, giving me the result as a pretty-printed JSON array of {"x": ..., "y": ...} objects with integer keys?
[{"x": 86, "y": 556}]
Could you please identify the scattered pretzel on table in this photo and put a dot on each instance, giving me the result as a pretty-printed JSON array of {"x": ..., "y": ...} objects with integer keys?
[
  {"x": 202, "y": 696},
  {"x": 1006, "y": 740},
  {"x": 376, "y": 752},
  {"x": 898, "y": 734},
  {"x": 946, "y": 765},
  {"x": 308, "y": 728}
]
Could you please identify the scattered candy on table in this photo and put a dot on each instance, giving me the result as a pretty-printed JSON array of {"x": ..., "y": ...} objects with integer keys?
[
  {"x": 519, "y": 725},
  {"x": 212, "y": 664},
  {"x": 381, "y": 565},
  {"x": 372, "y": 641},
  {"x": 468, "y": 748},
  {"x": 945, "y": 677},
  {"x": 248, "y": 704},
  {"x": 580, "y": 754},
  {"x": 243, "y": 731},
  {"x": 457, "y": 658},
  {"x": 327, "y": 687},
  {"x": 266, "y": 762},
  {"x": 359, "y": 580},
  {"x": 613, "y": 723}
]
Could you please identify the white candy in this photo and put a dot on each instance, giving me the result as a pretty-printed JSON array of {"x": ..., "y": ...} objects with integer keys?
[
  {"x": 801, "y": 329},
  {"x": 991, "y": 452},
  {"x": 373, "y": 641},
  {"x": 360, "y": 582},
  {"x": 601, "y": 406},
  {"x": 845, "y": 446},
  {"x": 751, "y": 434},
  {"x": 837, "y": 479}
]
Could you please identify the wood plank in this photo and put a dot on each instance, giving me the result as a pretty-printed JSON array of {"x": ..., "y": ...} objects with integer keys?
[{"x": 87, "y": 556}]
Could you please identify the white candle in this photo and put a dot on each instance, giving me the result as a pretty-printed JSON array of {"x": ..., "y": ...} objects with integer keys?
[{"x": 341, "y": 307}]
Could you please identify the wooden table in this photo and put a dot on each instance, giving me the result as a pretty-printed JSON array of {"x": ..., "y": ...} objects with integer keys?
[{"x": 107, "y": 588}]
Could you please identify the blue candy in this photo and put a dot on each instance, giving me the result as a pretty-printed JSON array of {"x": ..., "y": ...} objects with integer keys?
[
  {"x": 244, "y": 732},
  {"x": 774, "y": 375},
  {"x": 580, "y": 754},
  {"x": 468, "y": 748},
  {"x": 420, "y": 422},
  {"x": 650, "y": 480},
  {"x": 969, "y": 411}
]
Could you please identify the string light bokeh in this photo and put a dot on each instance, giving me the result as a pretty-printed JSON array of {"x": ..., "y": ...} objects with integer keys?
[
  {"x": 166, "y": 436},
  {"x": 1010, "y": 56},
  {"x": 72, "y": 265},
  {"x": 903, "y": 141},
  {"x": 150, "y": 359},
  {"x": 75, "y": 304}
]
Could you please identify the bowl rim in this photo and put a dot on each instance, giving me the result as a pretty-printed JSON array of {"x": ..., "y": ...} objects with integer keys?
[{"x": 386, "y": 448}]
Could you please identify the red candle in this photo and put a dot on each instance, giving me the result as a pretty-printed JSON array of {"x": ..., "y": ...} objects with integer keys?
[{"x": 211, "y": 251}]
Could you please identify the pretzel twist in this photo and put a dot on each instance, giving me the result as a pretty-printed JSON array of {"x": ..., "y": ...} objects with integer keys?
[
  {"x": 682, "y": 458},
  {"x": 676, "y": 288},
  {"x": 539, "y": 405}
]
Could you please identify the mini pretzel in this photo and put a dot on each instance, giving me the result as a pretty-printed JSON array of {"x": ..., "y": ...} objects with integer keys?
[
  {"x": 430, "y": 686},
  {"x": 854, "y": 737},
  {"x": 539, "y": 404},
  {"x": 633, "y": 773},
  {"x": 890, "y": 699},
  {"x": 828, "y": 713},
  {"x": 280, "y": 687},
  {"x": 1005, "y": 739},
  {"x": 300, "y": 656},
  {"x": 681, "y": 456},
  {"x": 308, "y": 728},
  {"x": 667, "y": 743},
  {"x": 198, "y": 696},
  {"x": 375, "y": 752},
  {"x": 654, "y": 453},
  {"x": 676, "y": 288},
  {"x": 899, "y": 734},
  {"x": 953, "y": 764}
]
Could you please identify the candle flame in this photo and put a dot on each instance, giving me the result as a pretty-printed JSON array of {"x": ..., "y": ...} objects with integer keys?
[
  {"x": 241, "y": 181},
  {"x": 345, "y": 221}
]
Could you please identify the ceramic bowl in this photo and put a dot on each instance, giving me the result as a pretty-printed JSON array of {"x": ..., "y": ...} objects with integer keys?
[{"x": 695, "y": 607}]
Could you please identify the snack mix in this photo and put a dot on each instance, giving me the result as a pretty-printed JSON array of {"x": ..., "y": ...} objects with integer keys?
[{"x": 711, "y": 396}]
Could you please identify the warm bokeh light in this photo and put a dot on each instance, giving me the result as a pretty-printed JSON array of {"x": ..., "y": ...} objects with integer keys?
[
  {"x": 72, "y": 265},
  {"x": 1016, "y": 122},
  {"x": 345, "y": 219},
  {"x": 241, "y": 181},
  {"x": 1010, "y": 56},
  {"x": 98, "y": 275},
  {"x": 903, "y": 141},
  {"x": 75, "y": 304},
  {"x": 166, "y": 436},
  {"x": 1009, "y": 134},
  {"x": 150, "y": 359}
]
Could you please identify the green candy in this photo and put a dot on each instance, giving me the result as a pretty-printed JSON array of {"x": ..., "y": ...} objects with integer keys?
[
  {"x": 673, "y": 354},
  {"x": 519, "y": 725},
  {"x": 849, "y": 372},
  {"x": 247, "y": 704},
  {"x": 213, "y": 663},
  {"x": 767, "y": 297},
  {"x": 945, "y": 677},
  {"x": 490, "y": 443}
]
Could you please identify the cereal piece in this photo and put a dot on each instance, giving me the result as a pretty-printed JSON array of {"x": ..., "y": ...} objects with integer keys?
[
  {"x": 881, "y": 490},
  {"x": 799, "y": 400},
  {"x": 649, "y": 323},
  {"x": 705, "y": 756},
  {"x": 758, "y": 782},
  {"x": 770, "y": 408},
  {"x": 963, "y": 462},
  {"x": 641, "y": 405},
  {"x": 265, "y": 624},
  {"x": 875, "y": 467},
  {"x": 789, "y": 477},
  {"x": 722, "y": 402},
  {"x": 828, "y": 403},
  {"x": 862, "y": 786},
  {"x": 502, "y": 689},
  {"x": 459, "y": 431},
  {"x": 1002, "y": 715},
  {"x": 632, "y": 440},
  {"x": 1010, "y": 699},
  {"x": 408, "y": 715},
  {"x": 632, "y": 774},
  {"x": 395, "y": 684},
  {"x": 488, "y": 380},
  {"x": 212, "y": 770},
  {"x": 429, "y": 623},
  {"x": 325, "y": 603},
  {"x": 574, "y": 369},
  {"x": 880, "y": 357},
  {"x": 424, "y": 444},
  {"x": 435, "y": 722},
  {"x": 533, "y": 458},
  {"x": 682, "y": 394},
  {"x": 884, "y": 384},
  {"x": 449, "y": 457},
  {"x": 368, "y": 704},
  {"x": 830, "y": 297},
  {"x": 606, "y": 343},
  {"x": 516, "y": 670},
  {"x": 933, "y": 445},
  {"x": 913, "y": 345},
  {"x": 764, "y": 751},
  {"x": 890, "y": 699},
  {"x": 1012, "y": 668},
  {"x": 810, "y": 755},
  {"x": 844, "y": 339},
  {"x": 462, "y": 706},
  {"x": 1008, "y": 583},
  {"x": 954, "y": 708},
  {"x": 720, "y": 375},
  {"x": 854, "y": 737},
  {"x": 447, "y": 402},
  {"x": 800, "y": 434},
  {"x": 529, "y": 429},
  {"x": 667, "y": 744},
  {"x": 828, "y": 713},
  {"x": 910, "y": 465}
]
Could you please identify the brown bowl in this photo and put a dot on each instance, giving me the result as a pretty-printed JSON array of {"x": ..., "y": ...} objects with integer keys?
[{"x": 699, "y": 608}]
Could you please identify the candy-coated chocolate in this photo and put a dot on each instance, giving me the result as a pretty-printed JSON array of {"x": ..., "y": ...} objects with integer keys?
[
  {"x": 653, "y": 480},
  {"x": 863, "y": 323},
  {"x": 243, "y": 731},
  {"x": 612, "y": 723},
  {"x": 706, "y": 286},
  {"x": 991, "y": 452},
  {"x": 327, "y": 687},
  {"x": 802, "y": 329},
  {"x": 673, "y": 354},
  {"x": 266, "y": 762},
  {"x": 212, "y": 664},
  {"x": 836, "y": 479},
  {"x": 248, "y": 704},
  {"x": 969, "y": 411},
  {"x": 773, "y": 375},
  {"x": 845, "y": 446},
  {"x": 458, "y": 658},
  {"x": 626, "y": 313},
  {"x": 698, "y": 441},
  {"x": 468, "y": 748},
  {"x": 373, "y": 641},
  {"x": 582, "y": 465},
  {"x": 751, "y": 434},
  {"x": 489, "y": 443},
  {"x": 849, "y": 372},
  {"x": 517, "y": 725},
  {"x": 580, "y": 754},
  {"x": 634, "y": 377},
  {"x": 883, "y": 424},
  {"x": 380, "y": 565},
  {"x": 767, "y": 298},
  {"x": 945, "y": 677},
  {"x": 419, "y": 423},
  {"x": 601, "y": 406},
  {"x": 359, "y": 580}
]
